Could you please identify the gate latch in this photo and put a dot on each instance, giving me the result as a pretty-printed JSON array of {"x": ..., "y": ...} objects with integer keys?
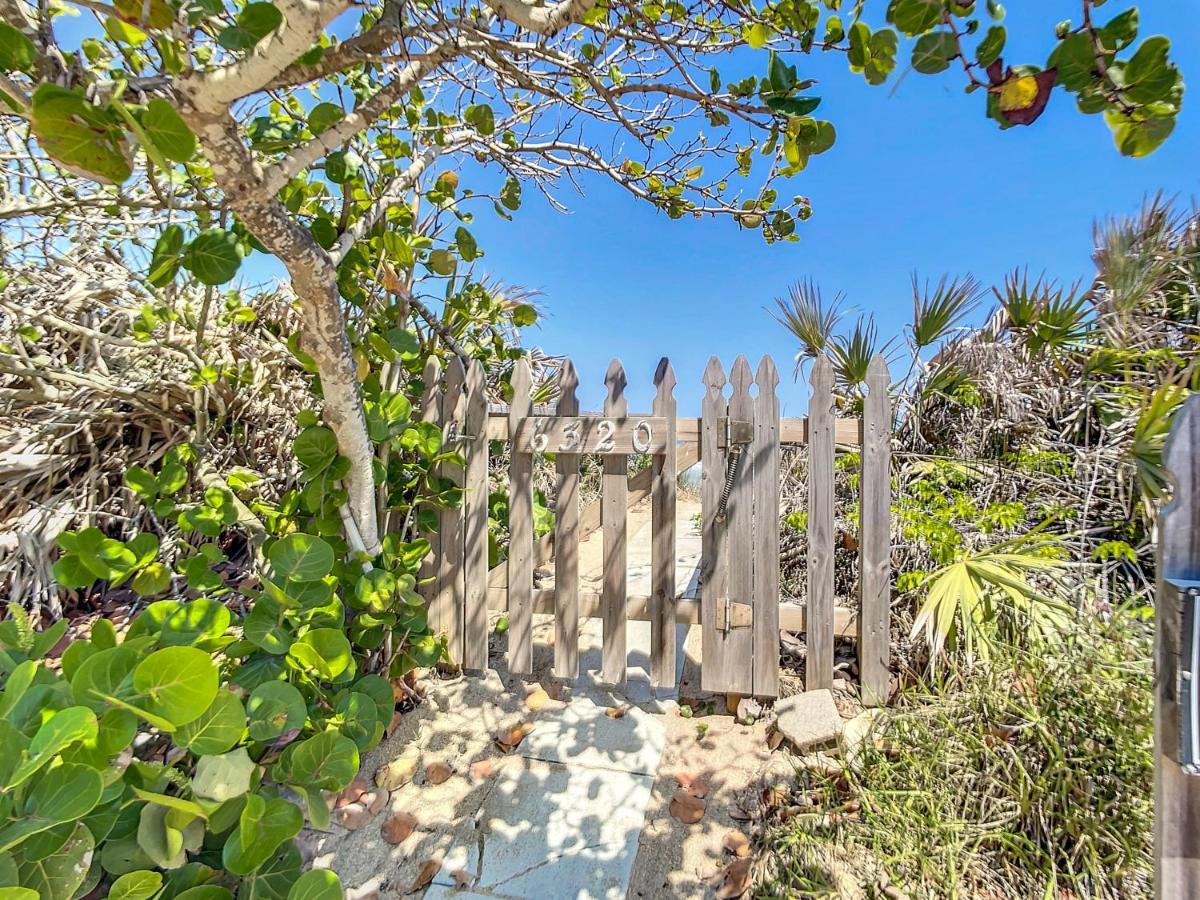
[
  {"x": 731, "y": 614},
  {"x": 1188, "y": 593}
]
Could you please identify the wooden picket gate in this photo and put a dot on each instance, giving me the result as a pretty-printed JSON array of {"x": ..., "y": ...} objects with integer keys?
[{"x": 738, "y": 442}]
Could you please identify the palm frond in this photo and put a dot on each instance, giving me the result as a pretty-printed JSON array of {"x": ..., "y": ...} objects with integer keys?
[
  {"x": 939, "y": 311},
  {"x": 808, "y": 318}
]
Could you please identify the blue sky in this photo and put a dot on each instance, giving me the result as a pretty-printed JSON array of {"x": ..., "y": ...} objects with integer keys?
[{"x": 919, "y": 180}]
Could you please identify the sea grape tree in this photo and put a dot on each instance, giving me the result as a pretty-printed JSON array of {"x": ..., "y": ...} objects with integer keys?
[{"x": 335, "y": 135}]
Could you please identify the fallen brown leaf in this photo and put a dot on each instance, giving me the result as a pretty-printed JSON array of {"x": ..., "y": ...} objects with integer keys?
[
  {"x": 776, "y": 795},
  {"x": 616, "y": 712},
  {"x": 693, "y": 784},
  {"x": 774, "y": 739},
  {"x": 396, "y": 773},
  {"x": 686, "y": 809},
  {"x": 438, "y": 772},
  {"x": 509, "y": 740},
  {"x": 736, "y": 843},
  {"x": 397, "y": 718},
  {"x": 398, "y": 827},
  {"x": 462, "y": 879},
  {"x": 740, "y": 815},
  {"x": 734, "y": 880},
  {"x": 353, "y": 793},
  {"x": 482, "y": 770},
  {"x": 428, "y": 869},
  {"x": 731, "y": 703}
]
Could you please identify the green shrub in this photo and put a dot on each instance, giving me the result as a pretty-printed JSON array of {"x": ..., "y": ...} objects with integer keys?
[{"x": 1015, "y": 779}]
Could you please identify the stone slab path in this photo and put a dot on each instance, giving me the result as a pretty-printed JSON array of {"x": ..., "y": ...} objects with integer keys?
[{"x": 579, "y": 808}]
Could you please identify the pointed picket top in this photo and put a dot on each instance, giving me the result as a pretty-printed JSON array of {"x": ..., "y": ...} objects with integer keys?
[
  {"x": 821, "y": 377},
  {"x": 740, "y": 377},
  {"x": 431, "y": 377},
  {"x": 664, "y": 376},
  {"x": 878, "y": 375},
  {"x": 714, "y": 375},
  {"x": 616, "y": 381},
  {"x": 521, "y": 380},
  {"x": 476, "y": 377},
  {"x": 568, "y": 385},
  {"x": 767, "y": 377},
  {"x": 454, "y": 377}
]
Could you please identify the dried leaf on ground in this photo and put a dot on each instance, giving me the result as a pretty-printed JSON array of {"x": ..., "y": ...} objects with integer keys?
[
  {"x": 397, "y": 718},
  {"x": 616, "y": 712},
  {"x": 537, "y": 698},
  {"x": 398, "y": 827},
  {"x": 775, "y": 795},
  {"x": 687, "y": 809},
  {"x": 352, "y": 816},
  {"x": 428, "y": 869},
  {"x": 693, "y": 784},
  {"x": 481, "y": 770},
  {"x": 740, "y": 815},
  {"x": 509, "y": 739},
  {"x": 736, "y": 843},
  {"x": 734, "y": 880},
  {"x": 774, "y": 739},
  {"x": 462, "y": 879},
  {"x": 396, "y": 773},
  {"x": 731, "y": 703},
  {"x": 438, "y": 772},
  {"x": 353, "y": 793}
]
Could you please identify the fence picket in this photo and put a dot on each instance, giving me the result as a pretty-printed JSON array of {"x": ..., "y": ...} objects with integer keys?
[
  {"x": 566, "y": 540},
  {"x": 613, "y": 494},
  {"x": 875, "y": 567},
  {"x": 431, "y": 412},
  {"x": 714, "y": 564},
  {"x": 475, "y": 516},
  {"x": 520, "y": 532},
  {"x": 739, "y": 525},
  {"x": 766, "y": 531},
  {"x": 819, "y": 662},
  {"x": 662, "y": 529},
  {"x": 447, "y": 614},
  {"x": 1176, "y": 794}
]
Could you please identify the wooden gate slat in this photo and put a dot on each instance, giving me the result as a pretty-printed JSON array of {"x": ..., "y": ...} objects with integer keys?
[
  {"x": 766, "y": 531},
  {"x": 451, "y": 585},
  {"x": 714, "y": 561},
  {"x": 819, "y": 662},
  {"x": 475, "y": 516},
  {"x": 875, "y": 567},
  {"x": 566, "y": 540},
  {"x": 662, "y": 530},
  {"x": 520, "y": 532},
  {"x": 431, "y": 412},
  {"x": 613, "y": 490},
  {"x": 739, "y": 525}
]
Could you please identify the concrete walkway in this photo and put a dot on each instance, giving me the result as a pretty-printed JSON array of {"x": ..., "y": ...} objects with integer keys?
[{"x": 564, "y": 814}]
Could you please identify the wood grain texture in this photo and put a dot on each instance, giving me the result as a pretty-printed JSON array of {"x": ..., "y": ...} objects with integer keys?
[
  {"x": 662, "y": 530},
  {"x": 449, "y": 602},
  {"x": 847, "y": 432},
  {"x": 475, "y": 516},
  {"x": 520, "y": 533},
  {"x": 613, "y": 504},
  {"x": 766, "y": 530},
  {"x": 1176, "y": 795},
  {"x": 621, "y": 435},
  {"x": 874, "y": 546},
  {"x": 714, "y": 565},
  {"x": 739, "y": 526},
  {"x": 819, "y": 662},
  {"x": 431, "y": 412},
  {"x": 566, "y": 540}
]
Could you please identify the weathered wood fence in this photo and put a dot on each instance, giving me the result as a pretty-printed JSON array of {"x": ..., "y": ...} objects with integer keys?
[
  {"x": 737, "y": 441},
  {"x": 1177, "y": 664}
]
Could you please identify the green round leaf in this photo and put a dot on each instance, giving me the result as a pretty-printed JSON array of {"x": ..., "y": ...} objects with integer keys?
[
  {"x": 217, "y": 729},
  {"x": 317, "y": 884},
  {"x": 301, "y": 557},
  {"x": 275, "y": 707},
  {"x": 253, "y": 24},
  {"x": 315, "y": 447},
  {"x": 325, "y": 652},
  {"x": 265, "y": 824},
  {"x": 214, "y": 257},
  {"x": 139, "y": 885},
  {"x": 178, "y": 683},
  {"x": 324, "y": 116},
  {"x": 223, "y": 776},
  {"x": 165, "y": 128},
  {"x": 327, "y": 761}
]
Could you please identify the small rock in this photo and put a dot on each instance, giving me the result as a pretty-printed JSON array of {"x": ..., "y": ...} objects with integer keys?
[
  {"x": 748, "y": 710},
  {"x": 397, "y": 773},
  {"x": 368, "y": 891},
  {"x": 808, "y": 719},
  {"x": 841, "y": 684}
]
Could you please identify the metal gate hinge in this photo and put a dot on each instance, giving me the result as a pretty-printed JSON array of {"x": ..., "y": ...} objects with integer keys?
[
  {"x": 733, "y": 432},
  {"x": 453, "y": 435},
  {"x": 732, "y": 614}
]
